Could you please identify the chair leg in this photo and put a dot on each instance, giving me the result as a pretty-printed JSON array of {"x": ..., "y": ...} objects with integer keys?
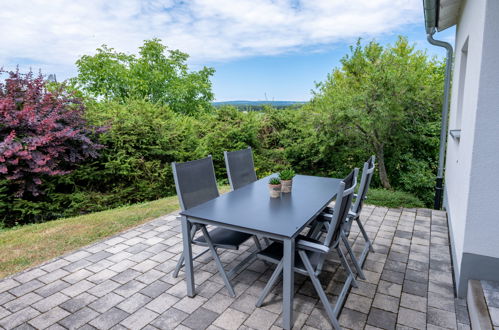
[
  {"x": 218, "y": 262},
  {"x": 344, "y": 262},
  {"x": 180, "y": 262},
  {"x": 318, "y": 288},
  {"x": 257, "y": 243},
  {"x": 352, "y": 256},
  {"x": 363, "y": 231},
  {"x": 270, "y": 284}
]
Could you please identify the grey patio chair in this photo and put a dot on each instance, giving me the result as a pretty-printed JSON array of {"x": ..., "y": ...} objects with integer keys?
[
  {"x": 311, "y": 253},
  {"x": 240, "y": 167},
  {"x": 196, "y": 183},
  {"x": 241, "y": 171},
  {"x": 353, "y": 215}
]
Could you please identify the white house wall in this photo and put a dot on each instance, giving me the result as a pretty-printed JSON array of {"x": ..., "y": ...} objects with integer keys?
[{"x": 472, "y": 176}]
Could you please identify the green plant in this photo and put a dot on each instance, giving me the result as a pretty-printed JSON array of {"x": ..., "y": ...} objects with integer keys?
[
  {"x": 274, "y": 181},
  {"x": 287, "y": 174},
  {"x": 156, "y": 74}
]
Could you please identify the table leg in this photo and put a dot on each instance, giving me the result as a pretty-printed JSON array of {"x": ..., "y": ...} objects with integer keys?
[
  {"x": 288, "y": 283},
  {"x": 186, "y": 239}
]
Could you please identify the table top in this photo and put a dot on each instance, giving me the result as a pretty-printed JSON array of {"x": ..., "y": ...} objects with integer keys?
[{"x": 251, "y": 208}]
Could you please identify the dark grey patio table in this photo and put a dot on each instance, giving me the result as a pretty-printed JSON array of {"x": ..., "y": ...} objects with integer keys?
[{"x": 250, "y": 209}]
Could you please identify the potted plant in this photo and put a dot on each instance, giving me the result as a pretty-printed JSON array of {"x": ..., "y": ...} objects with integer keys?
[
  {"x": 286, "y": 177},
  {"x": 274, "y": 187}
]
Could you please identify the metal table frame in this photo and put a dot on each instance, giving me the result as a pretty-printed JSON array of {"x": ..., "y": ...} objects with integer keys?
[{"x": 188, "y": 218}]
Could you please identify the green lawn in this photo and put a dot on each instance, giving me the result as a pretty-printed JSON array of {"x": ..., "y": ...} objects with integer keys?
[{"x": 26, "y": 246}]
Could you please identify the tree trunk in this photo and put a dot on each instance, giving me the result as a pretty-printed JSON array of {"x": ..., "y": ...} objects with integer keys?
[{"x": 383, "y": 177}]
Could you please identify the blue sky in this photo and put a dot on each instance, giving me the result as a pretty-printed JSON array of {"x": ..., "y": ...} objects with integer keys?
[{"x": 261, "y": 49}]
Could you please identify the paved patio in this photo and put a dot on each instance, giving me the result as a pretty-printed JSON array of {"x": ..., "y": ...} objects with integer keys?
[{"x": 125, "y": 282}]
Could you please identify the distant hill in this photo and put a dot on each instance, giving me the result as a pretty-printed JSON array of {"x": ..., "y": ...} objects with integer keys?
[
  {"x": 253, "y": 103},
  {"x": 259, "y": 105}
]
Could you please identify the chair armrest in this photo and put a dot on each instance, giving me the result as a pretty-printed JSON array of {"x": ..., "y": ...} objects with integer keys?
[{"x": 311, "y": 246}]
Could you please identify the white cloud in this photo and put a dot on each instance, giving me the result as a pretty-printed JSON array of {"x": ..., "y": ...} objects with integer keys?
[{"x": 53, "y": 34}]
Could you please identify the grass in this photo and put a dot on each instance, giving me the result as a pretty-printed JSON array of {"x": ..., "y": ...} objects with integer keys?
[
  {"x": 394, "y": 199},
  {"x": 27, "y": 246}
]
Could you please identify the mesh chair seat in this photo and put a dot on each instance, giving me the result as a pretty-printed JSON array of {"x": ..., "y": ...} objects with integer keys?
[
  {"x": 274, "y": 253},
  {"x": 224, "y": 238}
]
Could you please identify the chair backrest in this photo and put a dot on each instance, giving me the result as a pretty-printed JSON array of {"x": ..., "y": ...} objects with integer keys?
[
  {"x": 342, "y": 206},
  {"x": 365, "y": 181},
  {"x": 240, "y": 167},
  {"x": 195, "y": 182}
]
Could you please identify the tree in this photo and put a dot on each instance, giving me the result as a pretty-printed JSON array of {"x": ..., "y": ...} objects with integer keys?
[
  {"x": 151, "y": 75},
  {"x": 41, "y": 133},
  {"x": 380, "y": 94}
]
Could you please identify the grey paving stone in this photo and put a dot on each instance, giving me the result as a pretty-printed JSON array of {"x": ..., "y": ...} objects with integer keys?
[
  {"x": 494, "y": 315},
  {"x": 98, "y": 256},
  {"x": 382, "y": 319},
  {"x": 411, "y": 318},
  {"x": 24, "y": 326},
  {"x": 22, "y": 302},
  {"x": 261, "y": 319},
  {"x": 107, "y": 302},
  {"x": 129, "y": 288},
  {"x": 156, "y": 288},
  {"x": 109, "y": 318},
  {"x": 385, "y": 302},
  {"x": 415, "y": 288},
  {"x": 53, "y": 265},
  {"x": 189, "y": 305},
  {"x": 396, "y": 266},
  {"x": 441, "y": 318},
  {"x": 441, "y": 301},
  {"x": 139, "y": 319},
  {"x": 150, "y": 276},
  {"x": 218, "y": 303},
  {"x": 77, "y": 288},
  {"x": 53, "y": 275},
  {"x": 348, "y": 318},
  {"x": 50, "y": 302},
  {"x": 101, "y": 276},
  {"x": 29, "y": 275},
  {"x": 230, "y": 319},
  {"x": 48, "y": 318},
  {"x": 78, "y": 302},
  {"x": 245, "y": 303},
  {"x": 462, "y": 314},
  {"x": 390, "y": 289},
  {"x": 200, "y": 319},
  {"x": 392, "y": 276},
  {"x": 74, "y": 266},
  {"x": 104, "y": 288},
  {"x": 418, "y": 265},
  {"x": 50, "y": 289},
  {"x": 169, "y": 319},
  {"x": 79, "y": 318},
  {"x": 5, "y": 297},
  {"x": 4, "y": 312},
  {"x": 492, "y": 298},
  {"x": 18, "y": 318},
  {"x": 411, "y": 301},
  {"x": 358, "y": 303},
  {"x": 416, "y": 276},
  {"x": 99, "y": 266},
  {"x": 133, "y": 303},
  {"x": 162, "y": 302},
  {"x": 125, "y": 276},
  {"x": 26, "y": 287}
]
